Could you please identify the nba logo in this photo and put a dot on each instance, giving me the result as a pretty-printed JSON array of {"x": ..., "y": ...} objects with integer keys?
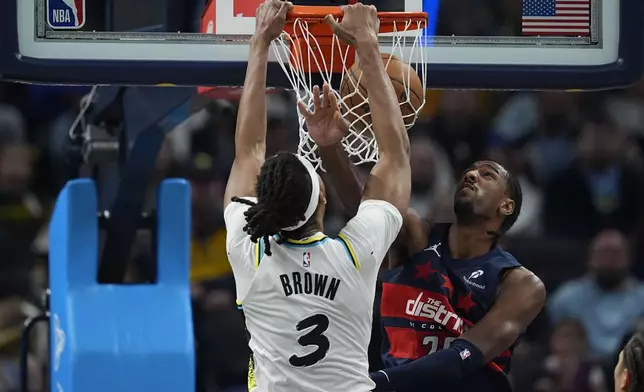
[
  {"x": 306, "y": 259},
  {"x": 66, "y": 14}
]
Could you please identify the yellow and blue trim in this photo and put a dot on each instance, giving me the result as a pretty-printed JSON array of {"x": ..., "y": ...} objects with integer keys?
[
  {"x": 259, "y": 253},
  {"x": 350, "y": 252},
  {"x": 314, "y": 240},
  {"x": 251, "y": 381}
]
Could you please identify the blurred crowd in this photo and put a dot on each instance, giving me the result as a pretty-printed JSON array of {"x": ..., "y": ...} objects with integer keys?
[{"x": 578, "y": 155}]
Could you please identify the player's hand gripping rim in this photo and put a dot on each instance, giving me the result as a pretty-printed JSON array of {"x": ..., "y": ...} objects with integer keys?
[
  {"x": 270, "y": 18},
  {"x": 360, "y": 24}
]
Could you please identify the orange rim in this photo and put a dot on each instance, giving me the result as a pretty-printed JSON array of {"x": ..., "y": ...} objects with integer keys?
[
  {"x": 315, "y": 25},
  {"x": 316, "y": 14}
]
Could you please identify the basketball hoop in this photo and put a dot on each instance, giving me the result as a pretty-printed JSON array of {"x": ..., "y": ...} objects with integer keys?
[{"x": 308, "y": 46}]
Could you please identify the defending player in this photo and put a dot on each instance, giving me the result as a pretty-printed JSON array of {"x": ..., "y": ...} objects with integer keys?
[
  {"x": 308, "y": 299},
  {"x": 455, "y": 303},
  {"x": 629, "y": 371}
]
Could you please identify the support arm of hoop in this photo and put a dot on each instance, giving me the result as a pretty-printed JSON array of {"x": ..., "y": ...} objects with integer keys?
[
  {"x": 144, "y": 109},
  {"x": 343, "y": 176},
  {"x": 250, "y": 135}
]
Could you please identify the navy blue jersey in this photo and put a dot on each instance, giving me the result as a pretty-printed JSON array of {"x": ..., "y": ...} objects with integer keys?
[{"x": 433, "y": 298}]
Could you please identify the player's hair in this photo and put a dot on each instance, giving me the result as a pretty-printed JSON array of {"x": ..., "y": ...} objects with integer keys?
[
  {"x": 282, "y": 186},
  {"x": 634, "y": 361},
  {"x": 515, "y": 193}
]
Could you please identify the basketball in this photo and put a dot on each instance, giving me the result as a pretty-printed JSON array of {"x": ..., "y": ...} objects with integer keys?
[{"x": 404, "y": 79}]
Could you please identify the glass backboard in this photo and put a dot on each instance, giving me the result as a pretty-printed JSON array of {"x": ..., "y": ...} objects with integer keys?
[{"x": 491, "y": 44}]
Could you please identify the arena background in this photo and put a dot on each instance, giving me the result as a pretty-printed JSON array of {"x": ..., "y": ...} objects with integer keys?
[{"x": 579, "y": 158}]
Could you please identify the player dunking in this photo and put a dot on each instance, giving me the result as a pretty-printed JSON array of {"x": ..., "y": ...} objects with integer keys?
[
  {"x": 308, "y": 299},
  {"x": 454, "y": 303}
]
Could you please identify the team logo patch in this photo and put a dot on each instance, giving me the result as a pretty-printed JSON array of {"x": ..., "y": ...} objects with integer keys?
[
  {"x": 476, "y": 274},
  {"x": 465, "y": 354},
  {"x": 66, "y": 14},
  {"x": 306, "y": 259}
]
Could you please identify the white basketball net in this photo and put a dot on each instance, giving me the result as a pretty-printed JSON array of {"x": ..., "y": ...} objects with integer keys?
[{"x": 406, "y": 45}]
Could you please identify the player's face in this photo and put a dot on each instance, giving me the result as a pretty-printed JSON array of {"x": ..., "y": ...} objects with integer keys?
[
  {"x": 481, "y": 193},
  {"x": 622, "y": 377}
]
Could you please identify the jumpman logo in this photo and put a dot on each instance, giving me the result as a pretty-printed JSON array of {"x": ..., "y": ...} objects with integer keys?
[{"x": 435, "y": 249}]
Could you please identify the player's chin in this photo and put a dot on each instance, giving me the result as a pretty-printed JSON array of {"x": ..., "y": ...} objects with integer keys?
[{"x": 464, "y": 193}]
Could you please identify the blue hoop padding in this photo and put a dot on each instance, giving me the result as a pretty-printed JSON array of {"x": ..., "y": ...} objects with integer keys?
[
  {"x": 125, "y": 338},
  {"x": 432, "y": 7}
]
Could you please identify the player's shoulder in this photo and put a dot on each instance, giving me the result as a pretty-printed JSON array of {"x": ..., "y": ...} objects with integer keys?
[
  {"x": 504, "y": 258},
  {"x": 235, "y": 208},
  {"x": 373, "y": 215},
  {"x": 377, "y": 205}
]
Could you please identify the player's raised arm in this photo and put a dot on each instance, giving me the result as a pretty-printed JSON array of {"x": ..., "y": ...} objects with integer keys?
[
  {"x": 390, "y": 178},
  {"x": 250, "y": 134},
  {"x": 327, "y": 128}
]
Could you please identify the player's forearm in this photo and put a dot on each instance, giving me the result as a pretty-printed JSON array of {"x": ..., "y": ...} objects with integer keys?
[
  {"x": 452, "y": 364},
  {"x": 343, "y": 176},
  {"x": 250, "y": 135},
  {"x": 388, "y": 126}
]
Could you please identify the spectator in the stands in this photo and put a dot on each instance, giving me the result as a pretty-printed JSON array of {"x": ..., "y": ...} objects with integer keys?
[
  {"x": 567, "y": 367},
  {"x": 610, "y": 366},
  {"x": 219, "y": 326},
  {"x": 432, "y": 180},
  {"x": 600, "y": 190},
  {"x": 21, "y": 217},
  {"x": 459, "y": 127},
  {"x": 606, "y": 301},
  {"x": 629, "y": 371},
  {"x": 543, "y": 126}
]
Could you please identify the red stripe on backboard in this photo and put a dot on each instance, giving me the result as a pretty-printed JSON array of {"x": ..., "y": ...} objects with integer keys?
[
  {"x": 209, "y": 17},
  {"x": 558, "y": 33},
  {"x": 554, "y": 26}
]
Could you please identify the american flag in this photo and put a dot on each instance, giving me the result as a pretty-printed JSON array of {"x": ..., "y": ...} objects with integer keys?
[{"x": 566, "y": 18}]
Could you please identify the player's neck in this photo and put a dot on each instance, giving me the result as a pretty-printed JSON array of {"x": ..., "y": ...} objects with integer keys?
[
  {"x": 304, "y": 232},
  {"x": 469, "y": 241}
]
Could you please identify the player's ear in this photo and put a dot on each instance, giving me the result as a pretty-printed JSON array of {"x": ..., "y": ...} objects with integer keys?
[
  {"x": 321, "y": 199},
  {"x": 322, "y": 196},
  {"x": 626, "y": 380},
  {"x": 507, "y": 207}
]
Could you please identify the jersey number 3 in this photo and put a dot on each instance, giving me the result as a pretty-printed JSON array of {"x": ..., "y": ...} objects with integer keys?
[{"x": 315, "y": 337}]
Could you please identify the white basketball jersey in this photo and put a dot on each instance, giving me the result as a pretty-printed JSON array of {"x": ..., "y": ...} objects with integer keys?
[{"x": 309, "y": 306}]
